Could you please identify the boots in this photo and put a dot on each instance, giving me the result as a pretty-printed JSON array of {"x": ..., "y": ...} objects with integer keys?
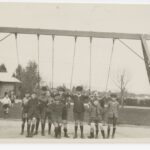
[
  {"x": 43, "y": 128},
  {"x": 113, "y": 134},
  {"x": 96, "y": 126},
  {"x": 32, "y": 130},
  {"x": 59, "y": 131},
  {"x": 37, "y": 127},
  {"x": 96, "y": 134},
  {"x": 91, "y": 135},
  {"x": 22, "y": 128},
  {"x": 49, "y": 128},
  {"x": 28, "y": 130},
  {"x": 76, "y": 129},
  {"x": 103, "y": 134},
  {"x": 65, "y": 133},
  {"x": 81, "y": 129},
  {"x": 56, "y": 132},
  {"x": 108, "y": 132}
]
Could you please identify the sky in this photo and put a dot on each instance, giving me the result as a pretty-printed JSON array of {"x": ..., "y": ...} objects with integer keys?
[{"x": 87, "y": 17}]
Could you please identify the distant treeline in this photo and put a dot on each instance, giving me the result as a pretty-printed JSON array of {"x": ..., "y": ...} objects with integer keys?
[{"x": 137, "y": 102}]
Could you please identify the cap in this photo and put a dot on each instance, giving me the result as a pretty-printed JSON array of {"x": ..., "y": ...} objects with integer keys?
[
  {"x": 61, "y": 89},
  {"x": 79, "y": 88}
]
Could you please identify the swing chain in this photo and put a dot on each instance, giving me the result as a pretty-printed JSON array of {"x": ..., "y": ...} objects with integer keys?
[
  {"x": 38, "y": 36},
  {"x": 53, "y": 39},
  {"x": 110, "y": 61},
  {"x": 16, "y": 38},
  {"x": 90, "y": 71},
  {"x": 72, "y": 70},
  {"x": 16, "y": 35},
  {"x": 75, "y": 38},
  {"x": 91, "y": 38}
]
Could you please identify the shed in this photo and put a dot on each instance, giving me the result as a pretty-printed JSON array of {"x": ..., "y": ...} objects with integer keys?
[{"x": 7, "y": 83}]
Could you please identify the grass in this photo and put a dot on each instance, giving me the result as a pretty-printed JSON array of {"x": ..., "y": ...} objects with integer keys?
[
  {"x": 131, "y": 116},
  {"x": 135, "y": 116}
]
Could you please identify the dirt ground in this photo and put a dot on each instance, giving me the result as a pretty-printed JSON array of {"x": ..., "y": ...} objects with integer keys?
[{"x": 11, "y": 129}]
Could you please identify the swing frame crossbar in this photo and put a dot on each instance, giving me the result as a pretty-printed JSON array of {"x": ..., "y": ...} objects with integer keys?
[
  {"x": 39, "y": 31},
  {"x": 90, "y": 34}
]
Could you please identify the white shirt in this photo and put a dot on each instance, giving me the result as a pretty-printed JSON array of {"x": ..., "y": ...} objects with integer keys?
[{"x": 6, "y": 100}]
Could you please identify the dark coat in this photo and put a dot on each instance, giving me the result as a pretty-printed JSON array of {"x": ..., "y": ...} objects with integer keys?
[
  {"x": 57, "y": 109},
  {"x": 78, "y": 104},
  {"x": 33, "y": 108}
]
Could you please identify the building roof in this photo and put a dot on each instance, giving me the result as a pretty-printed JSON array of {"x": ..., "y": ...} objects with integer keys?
[{"x": 6, "y": 77}]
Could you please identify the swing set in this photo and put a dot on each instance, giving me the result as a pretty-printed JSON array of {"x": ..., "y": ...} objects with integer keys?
[{"x": 89, "y": 34}]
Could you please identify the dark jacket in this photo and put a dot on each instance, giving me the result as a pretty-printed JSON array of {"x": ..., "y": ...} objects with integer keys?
[
  {"x": 33, "y": 107},
  {"x": 95, "y": 110},
  {"x": 25, "y": 105},
  {"x": 43, "y": 100},
  {"x": 78, "y": 104},
  {"x": 57, "y": 109}
]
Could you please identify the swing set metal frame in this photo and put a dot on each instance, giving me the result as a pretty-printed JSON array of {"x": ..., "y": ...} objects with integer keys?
[{"x": 90, "y": 34}]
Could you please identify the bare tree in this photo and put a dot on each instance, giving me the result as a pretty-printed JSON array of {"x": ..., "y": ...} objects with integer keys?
[{"x": 121, "y": 81}]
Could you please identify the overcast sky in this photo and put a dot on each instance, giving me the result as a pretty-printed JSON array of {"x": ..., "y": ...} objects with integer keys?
[{"x": 96, "y": 17}]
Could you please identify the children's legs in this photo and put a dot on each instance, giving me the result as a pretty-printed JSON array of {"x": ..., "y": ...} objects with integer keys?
[
  {"x": 114, "y": 126},
  {"x": 81, "y": 129},
  {"x": 102, "y": 130},
  {"x": 92, "y": 125},
  {"x": 59, "y": 129},
  {"x": 7, "y": 110},
  {"x": 28, "y": 127},
  {"x": 33, "y": 125},
  {"x": 65, "y": 128},
  {"x": 37, "y": 125},
  {"x": 76, "y": 128},
  {"x": 43, "y": 127},
  {"x": 96, "y": 129},
  {"x": 108, "y": 128},
  {"x": 56, "y": 129},
  {"x": 43, "y": 120},
  {"x": 49, "y": 125},
  {"x": 81, "y": 117},
  {"x": 23, "y": 125}
]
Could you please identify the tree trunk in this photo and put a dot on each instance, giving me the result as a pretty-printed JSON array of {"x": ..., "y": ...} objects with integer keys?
[{"x": 122, "y": 98}]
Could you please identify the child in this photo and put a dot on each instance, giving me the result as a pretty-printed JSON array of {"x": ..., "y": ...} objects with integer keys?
[
  {"x": 78, "y": 110},
  {"x": 64, "y": 100},
  {"x": 33, "y": 114},
  {"x": 95, "y": 117},
  {"x": 113, "y": 109},
  {"x": 6, "y": 102},
  {"x": 24, "y": 111},
  {"x": 49, "y": 111},
  {"x": 57, "y": 108},
  {"x": 43, "y": 101},
  {"x": 12, "y": 97}
]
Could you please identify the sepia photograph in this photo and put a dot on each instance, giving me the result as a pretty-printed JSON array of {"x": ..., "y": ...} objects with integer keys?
[{"x": 74, "y": 72}]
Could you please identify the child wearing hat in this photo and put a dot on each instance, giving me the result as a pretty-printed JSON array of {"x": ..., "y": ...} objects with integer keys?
[
  {"x": 95, "y": 117},
  {"x": 24, "y": 111},
  {"x": 57, "y": 108},
  {"x": 43, "y": 101},
  {"x": 78, "y": 110},
  {"x": 33, "y": 114},
  {"x": 65, "y": 102},
  {"x": 113, "y": 110}
]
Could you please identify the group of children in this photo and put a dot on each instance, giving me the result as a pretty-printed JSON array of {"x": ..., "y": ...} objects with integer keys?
[{"x": 54, "y": 106}]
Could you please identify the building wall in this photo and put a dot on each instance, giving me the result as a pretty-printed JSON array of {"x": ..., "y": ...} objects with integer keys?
[{"x": 6, "y": 87}]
